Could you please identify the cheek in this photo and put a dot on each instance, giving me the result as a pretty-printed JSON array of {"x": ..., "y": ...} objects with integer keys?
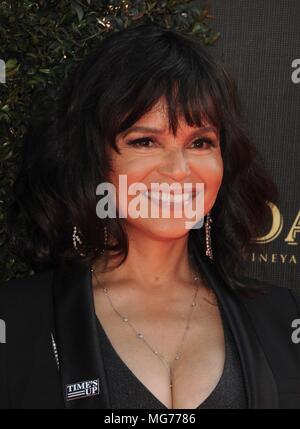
[
  {"x": 214, "y": 172},
  {"x": 210, "y": 171},
  {"x": 134, "y": 169}
]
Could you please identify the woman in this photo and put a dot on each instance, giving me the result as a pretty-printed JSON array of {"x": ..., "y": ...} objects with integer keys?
[{"x": 134, "y": 311}]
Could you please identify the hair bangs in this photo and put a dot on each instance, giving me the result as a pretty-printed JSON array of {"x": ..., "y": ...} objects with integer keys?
[{"x": 187, "y": 94}]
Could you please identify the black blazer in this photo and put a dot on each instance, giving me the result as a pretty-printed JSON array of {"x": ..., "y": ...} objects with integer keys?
[{"x": 52, "y": 341}]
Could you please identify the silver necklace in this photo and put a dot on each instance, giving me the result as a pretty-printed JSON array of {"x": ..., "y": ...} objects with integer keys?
[{"x": 141, "y": 336}]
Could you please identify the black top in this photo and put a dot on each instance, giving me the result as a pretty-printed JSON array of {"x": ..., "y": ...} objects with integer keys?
[{"x": 128, "y": 392}]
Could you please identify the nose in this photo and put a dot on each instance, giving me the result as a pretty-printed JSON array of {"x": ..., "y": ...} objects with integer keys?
[{"x": 175, "y": 165}]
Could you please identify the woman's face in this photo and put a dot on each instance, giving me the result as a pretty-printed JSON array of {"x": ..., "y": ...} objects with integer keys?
[{"x": 193, "y": 156}]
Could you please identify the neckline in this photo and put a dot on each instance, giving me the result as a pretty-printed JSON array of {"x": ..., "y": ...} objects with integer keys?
[{"x": 226, "y": 328}]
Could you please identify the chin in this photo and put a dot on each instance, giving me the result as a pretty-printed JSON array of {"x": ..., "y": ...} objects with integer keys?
[{"x": 162, "y": 228}]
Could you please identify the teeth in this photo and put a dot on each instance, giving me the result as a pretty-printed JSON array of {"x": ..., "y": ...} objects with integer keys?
[{"x": 179, "y": 198}]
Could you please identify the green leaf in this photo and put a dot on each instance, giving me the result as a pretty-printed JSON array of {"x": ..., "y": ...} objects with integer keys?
[
  {"x": 46, "y": 71},
  {"x": 11, "y": 64}
]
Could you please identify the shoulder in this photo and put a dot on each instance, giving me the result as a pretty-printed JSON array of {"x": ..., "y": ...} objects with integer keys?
[
  {"x": 275, "y": 314},
  {"x": 26, "y": 287},
  {"x": 26, "y": 312},
  {"x": 271, "y": 297},
  {"x": 23, "y": 299},
  {"x": 275, "y": 317}
]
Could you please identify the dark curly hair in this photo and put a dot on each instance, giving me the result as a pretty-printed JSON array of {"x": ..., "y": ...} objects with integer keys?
[{"x": 65, "y": 156}]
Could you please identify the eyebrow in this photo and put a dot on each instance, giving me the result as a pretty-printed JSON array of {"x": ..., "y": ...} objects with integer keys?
[{"x": 159, "y": 130}]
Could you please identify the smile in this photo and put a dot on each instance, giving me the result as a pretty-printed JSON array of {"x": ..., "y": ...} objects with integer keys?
[{"x": 169, "y": 197}]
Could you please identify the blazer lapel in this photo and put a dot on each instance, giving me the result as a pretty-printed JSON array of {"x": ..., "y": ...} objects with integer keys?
[
  {"x": 81, "y": 367},
  {"x": 260, "y": 384}
]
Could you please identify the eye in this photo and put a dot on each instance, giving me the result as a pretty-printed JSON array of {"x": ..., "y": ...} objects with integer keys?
[
  {"x": 147, "y": 142},
  {"x": 143, "y": 142},
  {"x": 199, "y": 142}
]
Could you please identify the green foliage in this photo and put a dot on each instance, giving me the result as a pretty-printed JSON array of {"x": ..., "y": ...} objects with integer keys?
[{"x": 41, "y": 41}]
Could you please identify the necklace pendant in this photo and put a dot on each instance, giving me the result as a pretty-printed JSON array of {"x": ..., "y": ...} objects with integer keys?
[
  {"x": 177, "y": 357},
  {"x": 139, "y": 335},
  {"x": 125, "y": 319}
]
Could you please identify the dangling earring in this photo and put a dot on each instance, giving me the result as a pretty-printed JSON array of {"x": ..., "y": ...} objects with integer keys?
[
  {"x": 105, "y": 240},
  {"x": 208, "y": 223},
  {"x": 77, "y": 240}
]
